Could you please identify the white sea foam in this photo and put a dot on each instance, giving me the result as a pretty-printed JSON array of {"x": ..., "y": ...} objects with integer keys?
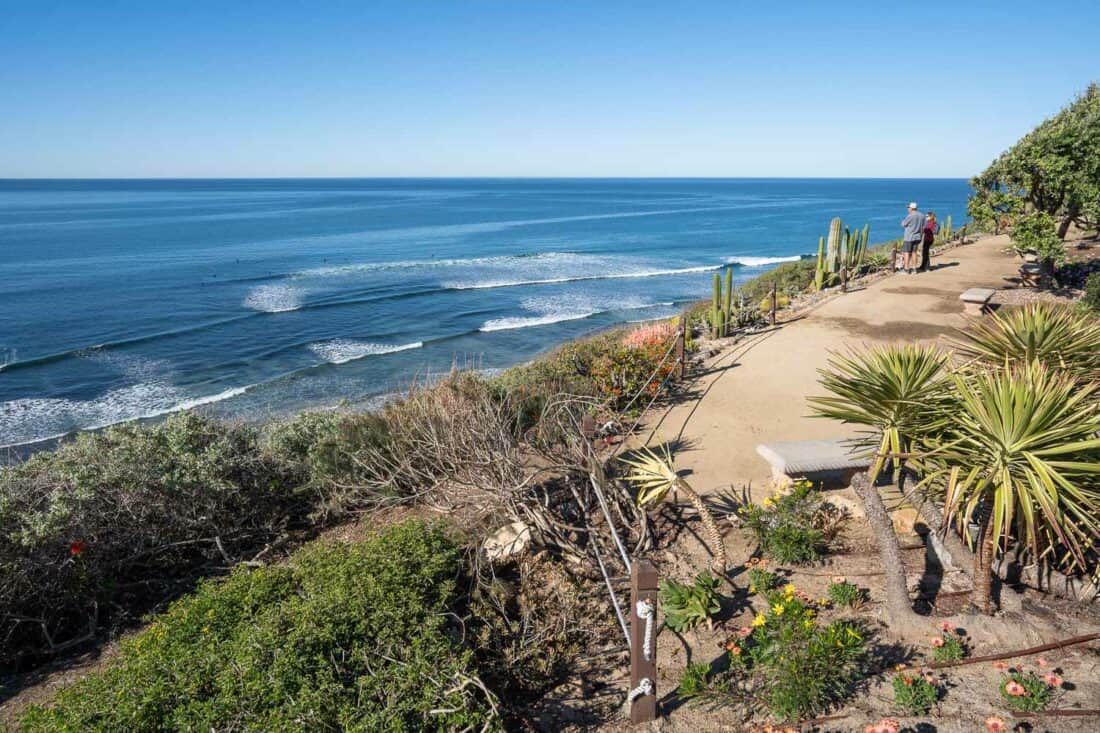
[
  {"x": 514, "y": 282},
  {"x": 746, "y": 261},
  {"x": 560, "y": 308},
  {"x": 274, "y": 298},
  {"x": 504, "y": 324},
  {"x": 340, "y": 351},
  {"x": 35, "y": 419}
]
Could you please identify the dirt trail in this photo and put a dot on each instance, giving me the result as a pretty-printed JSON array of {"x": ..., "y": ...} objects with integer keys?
[{"x": 755, "y": 391}]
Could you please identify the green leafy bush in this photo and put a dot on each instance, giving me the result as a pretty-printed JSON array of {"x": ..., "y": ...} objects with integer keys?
[
  {"x": 789, "y": 278},
  {"x": 1091, "y": 298},
  {"x": 915, "y": 693},
  {"x": 787, "y": 662},
  {"x": 687, "y": 606},
  {"x": 845, "y": 594},
  {"x": 1038, "y": 233},
  {"x": 693, "y": 681},
  {"x": 118, "y": 520},
  {"x": 761, "y": 580},
  {"x": 1025, "y": 691},
  {"x": 793, "y": 526},
  {"x": 948, "y": 646},
  {"x": 346, "y": 637}
]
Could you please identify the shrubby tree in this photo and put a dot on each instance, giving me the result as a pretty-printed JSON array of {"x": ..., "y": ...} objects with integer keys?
[{"x": 1054, "y": 169}]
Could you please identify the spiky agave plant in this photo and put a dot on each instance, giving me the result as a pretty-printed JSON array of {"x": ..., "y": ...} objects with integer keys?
[
  {"x": 654, "y": 477},
  {"x": 1056, "y": 335},
  {"x": 890, "y": 390},
  {"x": 1021, "y": 457}
]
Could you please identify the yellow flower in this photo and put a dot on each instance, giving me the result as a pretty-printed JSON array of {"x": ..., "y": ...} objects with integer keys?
[
  {"x": 759, "y": 620},
  {"x": 752, "y": 589},
  {"x": 809, "y": 612},
  {"x": 788, "y": 589},
  {"x": 808, "y": 623},
  {"x": 206, "y": 629},
  {"x": 778, "y": 609},
  {"x": 768, "y": 502}
]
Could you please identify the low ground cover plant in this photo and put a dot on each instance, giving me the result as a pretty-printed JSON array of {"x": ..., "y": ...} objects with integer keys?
[
  {"x": 345, "y": 637},
  {"x": 761, "y": 580},
  {"x": 686, "y": 605},
  {"x": 949, "y": 645},
  {"x": 786, "y": 663},
  {"x": 793, "y": 526},
  {"x": 1026, "y": 691},
  {"x": 845, "y": 594},
  {"x": 915, "y": 692}
]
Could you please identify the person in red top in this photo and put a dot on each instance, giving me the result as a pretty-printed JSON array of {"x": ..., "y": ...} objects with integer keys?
[{"x": 931, "y": 228}]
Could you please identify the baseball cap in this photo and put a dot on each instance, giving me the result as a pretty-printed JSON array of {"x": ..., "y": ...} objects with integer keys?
[{"x": 912, "y": 204}]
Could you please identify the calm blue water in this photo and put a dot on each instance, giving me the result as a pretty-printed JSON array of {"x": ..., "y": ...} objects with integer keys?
[{"x": 128, "y": 299}]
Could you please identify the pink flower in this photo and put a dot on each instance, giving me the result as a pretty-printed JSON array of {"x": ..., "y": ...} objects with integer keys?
[
  {"x": 946, "y": 626},
  {"x": 1042, "y": 663},
  {"x": 839, "y": 579},
  {"x": 995, "y": 724},
  {"x": 744, "y": 632},
  {"x": 937, "y": 641},
  {"x": 886, "y": 725},
  {"x": 1052, "y": 679},
  {"x": 1000, "y": 666},
  {"x": 1014, "y": 688}
]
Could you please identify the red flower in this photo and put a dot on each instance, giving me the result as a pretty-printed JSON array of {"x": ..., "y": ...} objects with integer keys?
[{"x": 77, "y": 548}]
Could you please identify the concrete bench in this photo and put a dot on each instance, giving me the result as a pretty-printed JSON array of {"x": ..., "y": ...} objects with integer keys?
[
  {"x": 976, "y": 301},
  {"x": 1030, "y": 275},
  {"x": 814, "y": 459}
]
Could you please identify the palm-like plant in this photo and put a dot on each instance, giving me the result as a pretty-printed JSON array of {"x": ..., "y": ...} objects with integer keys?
[
  {"x": 1056, "y": 335},
  {"x": 892, "y": 391},
  {"x": 1022, "y": 453},
  {"x": 655, "y": 478}
]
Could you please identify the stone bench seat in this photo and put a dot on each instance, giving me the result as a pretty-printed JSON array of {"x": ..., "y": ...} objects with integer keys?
[
  {"x": 814, "y": 459},
  {"x": 976, "y": 300},
  {"x": 1030, "y": 275}
]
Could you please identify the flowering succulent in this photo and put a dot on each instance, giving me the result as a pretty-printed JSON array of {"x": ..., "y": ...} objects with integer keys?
[
  {"x": 1026, "y": 691},
  {"x": 995, "y": 724}
]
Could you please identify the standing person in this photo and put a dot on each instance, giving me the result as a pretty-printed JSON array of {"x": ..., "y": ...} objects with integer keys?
[
  {"x": 913, "y": 225},
  {"x": 931, "y": 229}
]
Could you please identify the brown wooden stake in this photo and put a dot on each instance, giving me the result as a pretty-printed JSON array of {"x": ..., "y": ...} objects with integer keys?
[
  {"x": 844, "y": 279},
  {"x": 773, "y": 304},
  {"x": 894, "y": 259},
  {"x": 1017, "y": 653},
  {"x": 643, "y": 587}
]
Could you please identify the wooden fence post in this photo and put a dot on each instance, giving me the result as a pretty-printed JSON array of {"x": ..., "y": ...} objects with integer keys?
[
  {"x": 894, "y": 259},
  {"x": 681, "y": 337},
  {"x": 773, "y": 304},
  {"x": 643, "y": 588}
]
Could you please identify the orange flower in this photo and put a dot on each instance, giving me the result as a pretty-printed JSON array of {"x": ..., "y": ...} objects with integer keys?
[
  {"x": 1014, "y": 688},
  {"x": 937, "y": 641},
  {"x": 839, "y": 579},
  {"x": 886, "y": 725},
  {"x": 995, "y": 724},
  {"x": 1052, "y": 679},
  {"x": 1000, "y": 666}
]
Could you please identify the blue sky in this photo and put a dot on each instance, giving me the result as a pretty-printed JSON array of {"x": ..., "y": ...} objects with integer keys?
[{"x": 160, "y": 88}]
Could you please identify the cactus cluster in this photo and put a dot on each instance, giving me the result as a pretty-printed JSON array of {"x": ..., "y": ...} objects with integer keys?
[
  {"x": 725, "y": 313},
  {"x": 947, "y": 231},
  {"x": 843, "y": 250}
]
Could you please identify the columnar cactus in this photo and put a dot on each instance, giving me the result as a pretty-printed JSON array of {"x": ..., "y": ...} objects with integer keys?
[{"x": 833, "y": 244}]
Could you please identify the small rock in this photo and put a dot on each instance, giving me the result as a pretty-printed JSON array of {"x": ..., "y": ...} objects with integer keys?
[{"x": 507, "y": 542}]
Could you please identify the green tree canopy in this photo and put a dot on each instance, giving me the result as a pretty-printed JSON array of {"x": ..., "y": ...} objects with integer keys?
[{"x": 1054, "y": 169}]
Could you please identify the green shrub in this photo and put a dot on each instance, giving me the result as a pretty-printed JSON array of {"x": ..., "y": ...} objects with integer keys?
[
  {"x": 693, "y": 681},
  {"x": 346, "y": 637},
  {"x": 845, "y": 594},
  {"x": 761, "y": 580},
  {"x": 118, "y": 520},
  {"x": 790, "y": 278},
  {"x": 948, "y": 646},
  {"x": 1091, "y": 298},
  {"x": 794, "y": 526},
  {"x": 788, "y": 662},
  {"x": 687, "y": 606},
  {"x": 915, "y": 693},
  {"x": 1038, "y": 232},
  {"x": 1025, "y": 691}
]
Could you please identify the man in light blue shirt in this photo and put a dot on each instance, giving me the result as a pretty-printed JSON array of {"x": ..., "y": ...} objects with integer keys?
[{"x": 913, "y": 224}]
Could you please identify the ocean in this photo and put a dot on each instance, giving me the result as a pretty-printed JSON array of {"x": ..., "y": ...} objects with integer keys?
[{"x": 127, "y": 299}]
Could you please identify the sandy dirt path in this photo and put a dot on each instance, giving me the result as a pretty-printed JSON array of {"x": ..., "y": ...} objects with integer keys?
[{"x": 755, "y": 391}]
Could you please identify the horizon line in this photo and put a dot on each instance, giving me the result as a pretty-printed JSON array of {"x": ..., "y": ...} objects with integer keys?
[{"x": 483, "y": 178}]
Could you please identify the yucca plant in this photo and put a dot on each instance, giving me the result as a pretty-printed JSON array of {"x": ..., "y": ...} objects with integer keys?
[
  {"x": 1021, "y": 457},
  {"x": 655, "y": 477},
  {"x": 890, "y": 390},
  {"x": 1056, "y": 335}
]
